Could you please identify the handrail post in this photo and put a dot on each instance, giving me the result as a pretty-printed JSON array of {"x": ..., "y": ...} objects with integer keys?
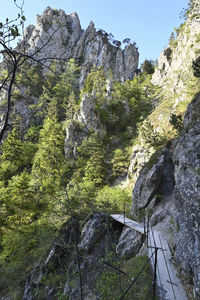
[
  {"x": 155, "y": 273},
  {"x": 124, "y": 212},
  {"x": 147, "y": 229},
  {"x": 144, "y": 226}
]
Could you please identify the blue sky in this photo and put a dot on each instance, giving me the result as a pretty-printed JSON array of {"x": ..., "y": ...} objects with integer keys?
[{"x": 148, "y": 22}]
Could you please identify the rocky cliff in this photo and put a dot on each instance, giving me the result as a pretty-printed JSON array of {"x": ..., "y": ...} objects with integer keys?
[
  {"x": 186, "y": 159},
  {"x": 170, "y": 189},
  {"x": 174, "y": 75},
  {"x": 167, "y": 178},
  {"x": 171, "y": 73},
  {"x": 87, "y": 250},
  {"x": 60, "y": 35},
  {"x": 119, "y": 125}
]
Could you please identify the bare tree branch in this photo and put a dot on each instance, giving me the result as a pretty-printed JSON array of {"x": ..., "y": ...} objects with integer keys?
[
  {"x": 15, "y": 65},
  {"x": 16, "y": 58},
  {"x": 4, "y": 81}
]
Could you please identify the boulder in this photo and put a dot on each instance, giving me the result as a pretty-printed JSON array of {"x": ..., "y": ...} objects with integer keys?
[{"x": 129, "y": 244}]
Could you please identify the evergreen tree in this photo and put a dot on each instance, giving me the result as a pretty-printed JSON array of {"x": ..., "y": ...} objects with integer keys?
[
  {"x": 89, "y": 173},
  {"x": 71, "y": 106},
  {"x": 17, "y": 155},
  {"x": 12, "y": 147},
  {"x": 58, "y": 89},
  {"x": 119, "y": 162},
  {"x": 96, "y": 82},
  {"x": 31, "y": 77},
  {"x": 95, "y": 167},
  {"x": 49, "y": 162},
  {"x": 147, "y": 67},
  {"x": 12, "y": 155},
  {"x": 196, "y": 67},
  {"x": 17, "y": 200}
]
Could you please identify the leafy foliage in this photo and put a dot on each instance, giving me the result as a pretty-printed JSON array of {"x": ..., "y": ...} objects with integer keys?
[
  {"x": 113, "y": 283},
  {"x": 95, "y": 83},
  {"x": 151, "y": 136},
  {"x": 113, "y": 199},
  {"x": 39, "y": 188},
  {"x": 129, "y": 104}
]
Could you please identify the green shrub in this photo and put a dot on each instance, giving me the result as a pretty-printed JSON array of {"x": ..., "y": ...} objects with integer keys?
[
  {"x": 151, "y": 136},
  {"x": 113, "y": 198},
  {"x": 20, "y": 250},
  {"x": 120, "y": 163},
  {"x": 113, "y": 284}
]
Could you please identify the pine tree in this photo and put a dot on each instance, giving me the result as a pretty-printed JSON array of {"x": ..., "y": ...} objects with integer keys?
[
  {"x": 71, "y": 106},
  {"x": 119, "y": 163},
  {"x": 58, "y": 89},
  {"x": 18, "y": 200},
  {"x": 95, "y": 168},
  {"x": 12, "y": 154},
  {"x": 49, "y": 161}
]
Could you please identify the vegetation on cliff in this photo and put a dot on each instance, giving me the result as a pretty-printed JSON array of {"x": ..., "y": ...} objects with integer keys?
[{"x": 40, "y": 187}]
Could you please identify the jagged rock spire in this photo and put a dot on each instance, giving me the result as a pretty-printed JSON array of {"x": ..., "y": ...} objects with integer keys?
[{"x": 90, "y": 47}]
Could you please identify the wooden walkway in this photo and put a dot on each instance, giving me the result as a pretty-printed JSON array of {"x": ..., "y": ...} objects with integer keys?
[
  {"x": 132, "y": 224},
  {"x": 169, "y": 286}
]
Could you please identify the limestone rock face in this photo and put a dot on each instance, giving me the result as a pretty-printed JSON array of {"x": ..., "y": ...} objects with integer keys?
[
  {"x": 129, "y": 244},
  {"x": 87, "y": 113},
  {"x": 138, "y": 159},
  {"x": 58, "y": 35},
  {"x": 154, "y": 181},
  {"x": 187, "y": 192},
  {"x": 172, "y": 188},
  {"x": 92, "y": 231},
  {"x": 21, "y": 107},
  {"x": 174, "y": 68},
  {"x": 61, "y": 35},
  {"x": 85, "y": 120}
]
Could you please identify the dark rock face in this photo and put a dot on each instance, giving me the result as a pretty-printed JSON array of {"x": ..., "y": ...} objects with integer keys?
[
  {"x": 158, "y": 180},
  {"x": 187, "y": 193},
  {"x": 178, "y": 182},
  {"x": 79, "y": 256}
]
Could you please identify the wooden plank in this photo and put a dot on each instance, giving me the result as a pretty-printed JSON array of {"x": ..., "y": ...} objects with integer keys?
[
  {"x": 169, "y": 285},
  {"x": 130, "y": 223}
]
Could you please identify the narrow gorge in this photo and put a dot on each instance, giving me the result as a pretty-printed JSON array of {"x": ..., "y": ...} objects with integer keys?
[{"x": 90, "y": 133}]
